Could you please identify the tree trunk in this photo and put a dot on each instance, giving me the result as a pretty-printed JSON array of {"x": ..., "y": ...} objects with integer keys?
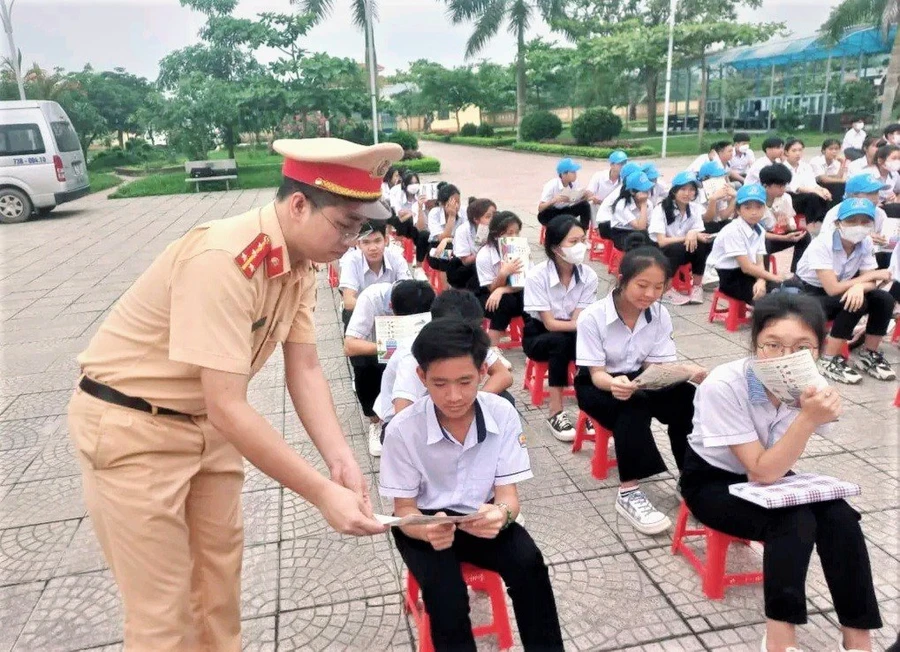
[
  {"x": 520, "y": 81},
  {"x": 457, "y": 121},
  {"x": 121, "y": 139},
  {"x": 890, "y": 82},
  {"x": 704, "y": 83},
  {"x": 652, "y": 79},
  {"x": 229, "y": 140}
]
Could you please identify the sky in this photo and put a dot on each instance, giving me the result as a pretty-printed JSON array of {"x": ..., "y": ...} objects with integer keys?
[{"x": 136, "y": 34}]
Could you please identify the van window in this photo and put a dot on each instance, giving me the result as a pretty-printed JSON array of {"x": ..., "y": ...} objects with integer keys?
[
  {"x": 21, "y": 139},
  {"x": 66, "y": 138}
]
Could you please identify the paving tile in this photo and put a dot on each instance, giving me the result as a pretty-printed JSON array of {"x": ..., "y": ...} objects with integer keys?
[
  {"x": 883, "y": 529},
  {"x": 262, "y": 516},
  {"x": 259, "y": 581},
  {"x": 56, "y": 460},
  {"x": 83, "y": 554},
  {"x": 550, "y": 477},
  {"x": 33, "y": 552},
  {"x": 16, "y": 604},
  {"x": 817, "y": 634},
  {"x": 258, "y": 634},
  {"x": 661, "y": 493},
  {"x": 42, "y": 404},
  {"x": 255, "y": 480},
  {"x": 43, "y": 501},
  {"x": 879, "y": 490},
  {"x": 26, "y": 433},
  {"x": 14, "y": 462},
  {"x": 82, "y": 610}
]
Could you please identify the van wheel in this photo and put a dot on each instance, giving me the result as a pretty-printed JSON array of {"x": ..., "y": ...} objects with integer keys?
[{"x": 15, "y": 206}]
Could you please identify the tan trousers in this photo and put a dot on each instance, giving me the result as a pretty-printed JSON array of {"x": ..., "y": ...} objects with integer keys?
[{"x": 164, "y": 495}]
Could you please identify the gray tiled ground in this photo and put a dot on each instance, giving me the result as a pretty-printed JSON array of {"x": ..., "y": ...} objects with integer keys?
[{"x": 307, "y": 589}]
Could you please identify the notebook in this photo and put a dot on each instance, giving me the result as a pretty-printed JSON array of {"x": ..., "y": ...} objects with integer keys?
[{"x": 793, "y": 490}]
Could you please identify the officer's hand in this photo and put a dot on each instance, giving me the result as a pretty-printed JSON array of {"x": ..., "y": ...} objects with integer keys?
[
  {"x": 440, "y": 535},
  {"x": 346, "y": 472},
  {"x": 346, "y": 511}
]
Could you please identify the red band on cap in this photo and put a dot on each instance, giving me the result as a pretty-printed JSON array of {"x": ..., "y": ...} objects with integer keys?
[{"x": 338, "y": 179}]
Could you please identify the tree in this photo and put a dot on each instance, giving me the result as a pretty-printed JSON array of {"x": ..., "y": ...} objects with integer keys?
[
  {"x": 884, "y": 13},
  {"x": 490, "y": 15},
  {"x": 498, "y": 87},
  {"x": 445, "y": 89},
  {"x": 857, "y": 97},
  {"x": 117, "y": 95}
]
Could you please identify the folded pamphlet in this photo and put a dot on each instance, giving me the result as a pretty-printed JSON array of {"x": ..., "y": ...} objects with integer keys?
[
  {"x": 659, "y": 376},
  {"x": 788, "y": 377},
  {"x": 424, "y": 519},
  {"x": 516, "y": 248}
]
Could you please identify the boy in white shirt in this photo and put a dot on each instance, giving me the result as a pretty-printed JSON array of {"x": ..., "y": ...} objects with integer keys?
[
  {"x": 742, "y": 159},
  {"x": 605, "y": 181},
  {"x": 557, "y": 196},
  {"x": 780, "y": 220},
  {"x": 853, "y": 139},
  {"x": 370, "y": 262},
  {"x": 773, "y": 151}
]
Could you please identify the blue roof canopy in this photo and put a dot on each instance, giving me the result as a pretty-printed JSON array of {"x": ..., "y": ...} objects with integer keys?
[{"x": 866, "y": 40}]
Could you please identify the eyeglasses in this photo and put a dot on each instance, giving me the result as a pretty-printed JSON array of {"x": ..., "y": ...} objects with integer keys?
[
  {"x": 776, "y": 348},
  {"x": 347, "y": 237}
]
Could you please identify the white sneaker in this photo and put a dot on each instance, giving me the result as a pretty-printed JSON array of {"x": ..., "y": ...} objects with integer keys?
[
  {"x": 640, "y": 512},
  {"x": 696, "y": 297},
  {"x": 375, "y": 439},
  {"x": 503, "y": 360},
  {"x": 764, "y": 647},
  {"x": 419, "y": 274},
  {"x": 561, "y": 426},
  {"x": 837, "y": 369},
  {"x": 710, "y": 277},
  {"x": 675, "y": 297}
]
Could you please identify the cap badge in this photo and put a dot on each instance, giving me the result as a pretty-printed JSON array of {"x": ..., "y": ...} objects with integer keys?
[{"x": 380, "y": 168}]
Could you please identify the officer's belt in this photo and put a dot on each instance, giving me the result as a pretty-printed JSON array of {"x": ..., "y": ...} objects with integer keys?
[{"x": 110, "y": 395}]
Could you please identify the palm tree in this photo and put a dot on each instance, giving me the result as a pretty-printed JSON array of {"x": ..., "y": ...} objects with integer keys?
[
  {"x": 885, "y": 13},
  {"x": 489, "y": 16}
]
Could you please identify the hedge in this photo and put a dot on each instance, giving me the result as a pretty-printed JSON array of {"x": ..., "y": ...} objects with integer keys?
[
  {"x": 584, "y": 152},
  {"x": 475, "y": 141},
  {"x": 426, "y": 165}
]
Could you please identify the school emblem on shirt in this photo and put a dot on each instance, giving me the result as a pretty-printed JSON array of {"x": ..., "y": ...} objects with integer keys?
[
  {"x": 250, "y": 259},
  {"x": 523, "y": 440}
]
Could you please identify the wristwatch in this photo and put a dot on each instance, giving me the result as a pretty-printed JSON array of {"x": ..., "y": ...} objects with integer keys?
[{"x": 509, "y": 516}]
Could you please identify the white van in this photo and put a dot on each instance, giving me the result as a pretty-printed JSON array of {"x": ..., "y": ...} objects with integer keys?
[{"x": 41, "y": 162}]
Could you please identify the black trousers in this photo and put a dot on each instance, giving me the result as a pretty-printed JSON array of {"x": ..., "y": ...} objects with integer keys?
[
  {"x": 440, "y": 264},
  {"x": 367, "y": 374},
  {"x": 556, "y": 348},
  {"x": 810, "y": 206},
  {"x": 877, "y": 304},
  {"x": 604, "y": 230},
  {"x": 738, "y": 285},
  {"x": 715, "y": 227},
  {"x": 894, "y": 290},
  {"x": 512, "y": 304},
  {"x": 788, "y": 535},
  {"x": 619, "y": 236},
  {"x": 581, "y": 210},
  {"x": 407, "y": 229},
  {"x": 773, "y": 247},
  {"x": 837, "y": 190},
  {"x": 514, "y": 555},
  {"x": 883, "y": 258},
  {"x": 636, "y": 451},
  {"x": 460, "y": 276},
  {"x": 678, "y": 255}
]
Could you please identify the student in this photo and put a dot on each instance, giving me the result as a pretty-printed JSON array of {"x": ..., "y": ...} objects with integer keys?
[
  {"x": 401, "y": 385},
  {"x": 556, "y": 291},
  {"x": 853, "y": 144},
  {"x": 780, "y": 218},
  {"x": 442, "y": 220},
  {"x": 554, "y": 202},
  {"x": 408, "y": 204},
  {"x": 891, "y": 134},
  {"x": 739, "y": 249},
  {"x": 840, "y": 270},
  {"x": 809, "y": 198},
  {"x": 461, "y": 451},
  {"x": 868, "y": 186},
  {"x": 894, "y": 268},
  {"x": 659, "y": 190},
  {"x": 617, "y": 338},
  {"x": 830, "y": 169},
  {"x": 773, "y": 151},
  {"x": 870, "y": 148},
  {"x": 676, "y": 225},
  {"x": 605, "y": 182},
  {"x": 718, "y": 209},
  {"x": 468, "y": 239},
  {"x": 501, "y": 301},
  {"x": 721, "y": 152},
  {"x": 403, "y": 298},
  {"x": 887, "y": 168},
  {"x": 741, "y": 432},
  {"x": 391, "y": 178},
  {"x": 370, "y": 262},
  {"x": 631, "y": 209},
  {"x": 742, "y": 159},
  {"x": 604, "y": 213}
]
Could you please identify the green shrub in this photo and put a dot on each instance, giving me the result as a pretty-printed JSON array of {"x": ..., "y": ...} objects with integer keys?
[
  {"x": 406, "y": 140},
  {"x": 468, "y": 130},
  {"x": 484, "y": 131},
  {"x": 595, "y": 125},
  {"x": 483, "y": 142},
  {"x": 585, "y": 152},
  {"x": 540, "y": 125},
  {"x": 356, "y": 132},
  {"x": 426, "y": 165}
]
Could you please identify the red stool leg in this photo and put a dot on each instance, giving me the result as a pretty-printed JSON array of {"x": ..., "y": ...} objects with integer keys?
[
  {"x": 600, "y": 462},
  {"x": 538, "y": 377},
  {"x": 680, "y": 525},
  {"x": 581, "y": 434},
  {"x": 897, "y": 399},
  {"x": 896, "y": 334},
  {"x": 713, "y": 306},
  {"x": 419, "y": 614},
  {"x": 714, "y": 569},
  {"x": 500, "y": 614}
]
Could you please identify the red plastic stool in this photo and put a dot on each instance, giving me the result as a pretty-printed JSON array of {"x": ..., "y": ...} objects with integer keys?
[
  {"x": 515, "y": 329},
  {"x": 896, "y": 334},
  {"x": 333, "y": 278},
  {"x": 773, "y": 264},
  {"x": 615, "y": 257},
  {"x": 434, "y": 277},
  {"x": 477, "y": 579},
  {"x": 600, "y": 462},
  {"x": 712, "y": 572},
  {"x": 598, "y": 250},
  {"x": 543, "y": 234},
  {"x": 536, "y": 374},
  {"x": 733, "y": 316},
  {"x": 683, "y": 281},
  {"x": 897, "y": 399},
  {"x": 409, "y": 250}
]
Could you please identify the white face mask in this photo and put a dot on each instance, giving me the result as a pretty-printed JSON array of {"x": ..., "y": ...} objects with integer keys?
[
  {"x": 892, "y": 166},
  {"x": 857, "y": 126},
  {"x": 413, "y": 188},
  {"x": 574, "y": 255},
  {"x": 856, "y": 234},
  {"x": 895, "y": 139},
  {"x": 743, "y": 149}
]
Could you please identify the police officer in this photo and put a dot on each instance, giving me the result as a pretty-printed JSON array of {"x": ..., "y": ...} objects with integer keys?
[{"x": 160, "y": 419}]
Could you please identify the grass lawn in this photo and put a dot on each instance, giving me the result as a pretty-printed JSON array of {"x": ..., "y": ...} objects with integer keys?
[
  {"x": 250, "y": 176},
  {"x": 687, "y": 145},
  {"x": 103, "y": 181}
]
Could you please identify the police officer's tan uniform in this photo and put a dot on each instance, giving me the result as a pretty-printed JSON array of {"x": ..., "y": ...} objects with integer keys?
[{"x": 162, "y": 486}]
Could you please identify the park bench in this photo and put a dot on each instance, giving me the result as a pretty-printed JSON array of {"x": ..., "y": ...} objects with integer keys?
[{"x": 200, "y": 171}]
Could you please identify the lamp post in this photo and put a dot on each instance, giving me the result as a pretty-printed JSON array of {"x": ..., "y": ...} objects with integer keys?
[
  {"x": 6, "y": 16},
  {"x": 370, "y": 43},
  {"x": 672, "y": 6}
]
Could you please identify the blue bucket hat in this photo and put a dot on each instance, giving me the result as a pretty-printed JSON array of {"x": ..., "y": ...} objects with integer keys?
[
  {"x": 567, "y": 165},
  {"x": 638, "y": 182},
  {"x": 864, "y": 183},
  {"x": 684, "y": 178},
  {"x": 617, "y": 157},
  {"x": 629, "y": 168},
  {"x": 711, "y": 169},
  {"x": 856, "y": 206},
  {"x": 751, "y": 192},
  {"x": 651, "y": 171}
]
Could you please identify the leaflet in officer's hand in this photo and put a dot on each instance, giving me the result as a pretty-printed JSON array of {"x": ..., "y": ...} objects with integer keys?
[{"x": 424, "y": 519}]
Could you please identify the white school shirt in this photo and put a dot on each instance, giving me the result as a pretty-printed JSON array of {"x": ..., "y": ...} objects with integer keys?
[
  {"x": 827, "y": 252},
  {"x": 742, "y": 162},
  {"x": 701, "y": 160},
  {"x": 487, "y": 264},
  {"x": 603, "y": 339},
  {"x": 895, "y": 263},
  {"x": 721, "y": 205},
  {"x": 604, "y": 213},
  {"x": 421, "y": 460},
  {"x": 802, "y": 176},
  {"x": 731, "y": 407},
  {"x": 623, "y": 214},
  {"x": 545, "y": 292},
  {"x": 783, "y": 205},
  {"x": 374, "y": 301},
  {"x": 857, "y": 166},
  {"x": 385, "y": 191},
  {"x": 601, "y": 185},
  {"x": 659, "y": 192},
  {"x": 357, "y": 275},
  {"x": 737, "y": 238},
  {"x": 892, "y": 180},
  {"x": 464, "y": 240},
  {"x": 691, "y": 220},
  {"x": 437, "y": 220},
  {"x": 759, "y": 164},
  {"x": 853, "y": 139},
  {"x": 553, "y": 187},
  {"x": 821, "y": 168}
]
